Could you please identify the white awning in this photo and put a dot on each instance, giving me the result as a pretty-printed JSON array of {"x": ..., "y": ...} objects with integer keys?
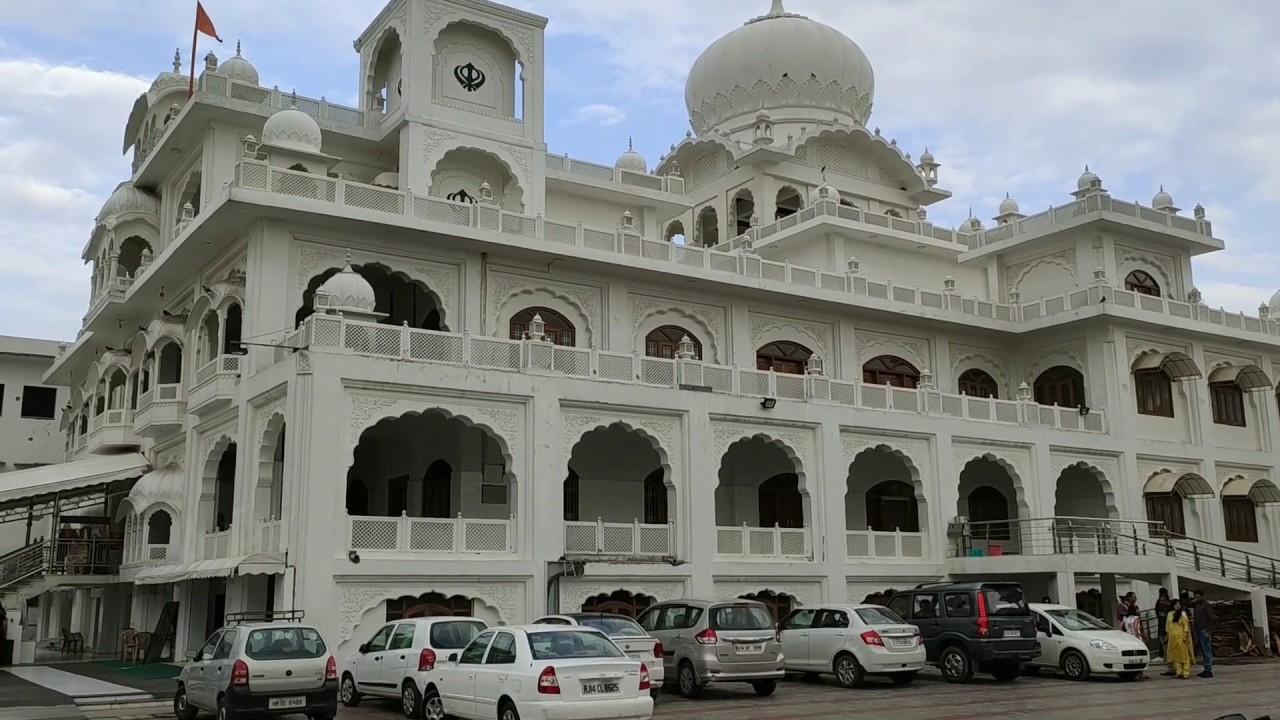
[
  {"x": 165, "y": 483},
  {"x": 1188, "y": 485},
  {"x": 1250, "y": 378},
  {"x": 1178, "y": 366},
  {"x": 36, "y": 487},
  {"x": 261, "y": 564},
  {"x": 216, "y": 568},
  {"x": 161, "y": 575},
  {"x": 1261, "y": 491}
]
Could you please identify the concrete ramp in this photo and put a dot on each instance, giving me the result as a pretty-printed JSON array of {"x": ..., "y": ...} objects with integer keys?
[{"x": 76, "y": 687}]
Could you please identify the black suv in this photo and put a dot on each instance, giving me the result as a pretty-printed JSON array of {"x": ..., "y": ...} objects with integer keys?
[{"x": 971, "y": 626}]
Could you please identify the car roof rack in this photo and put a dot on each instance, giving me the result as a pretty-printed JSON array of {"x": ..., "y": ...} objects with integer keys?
[{"x": 264, "y": 616}]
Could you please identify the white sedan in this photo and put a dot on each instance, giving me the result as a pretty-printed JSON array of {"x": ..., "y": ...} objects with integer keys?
[
  {"x": 625, "y": 633},
  {"x": 851, "y": 642},
  {"x": 539, "y": 672},
  {"x": 1079, "y": 645}
]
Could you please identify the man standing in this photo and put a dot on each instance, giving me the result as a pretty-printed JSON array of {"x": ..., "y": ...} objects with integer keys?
[{"x": 1202, "y": 620}]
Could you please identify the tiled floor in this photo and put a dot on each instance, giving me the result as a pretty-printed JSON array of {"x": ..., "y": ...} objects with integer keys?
[{"x": 1251, "y": 689}]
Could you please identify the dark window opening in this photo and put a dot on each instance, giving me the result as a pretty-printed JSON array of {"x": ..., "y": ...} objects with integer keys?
[{"x": 39, "y": 403}]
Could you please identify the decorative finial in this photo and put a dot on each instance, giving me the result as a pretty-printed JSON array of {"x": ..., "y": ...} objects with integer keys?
[
  {"x": 177, "y": 60},
  {"x": 1161, "y": 187},
  {"x": 348, "y": 263},
  {"x": 1006, "y": 196},
  {"x": 1086, "y": 167},
  {"x": 630, "y": 145},
  {"x": 777, "y": 8},
  {"x": 237, "y": 48}
]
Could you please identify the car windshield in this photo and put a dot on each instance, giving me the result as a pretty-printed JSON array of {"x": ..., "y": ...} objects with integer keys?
[
  {"x": 454, "y": 634},
  {"x": 1077, "y": 620},
  {"x": 285, "y": 643},
  {"x": 568, "y": 644},
  {"x": 614, "y": 626},
  {"x": 740, "y": 617},
  {"x": 879, "y": 616},
  {"x": 1005, "y": 600}
]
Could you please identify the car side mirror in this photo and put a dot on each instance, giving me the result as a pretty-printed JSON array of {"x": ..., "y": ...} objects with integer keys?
[
  {"x": 193, "y": 655},
  {"x": 453, "y": 657},
  {"x": 364, "y": 648}
]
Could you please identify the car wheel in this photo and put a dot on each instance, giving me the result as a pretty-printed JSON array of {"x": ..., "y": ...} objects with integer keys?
[
  {"x": 1006, "y": 673},
  {"x": 433, "y": 706},
  {"x": 903, "y": 678},
  {"x": 182, "y": 708},
  {"x": 347, "y": 691},
  {"x": 1074, "y": 665},
  {"x": 688, "y": 679},
  {"x": 848, "y": 672},
  {"x": 955, "y": 665},
  {"x": 764, "y": 688},
  {"x": 411, "y": 700},
  {"x": 507, "y": 711}
]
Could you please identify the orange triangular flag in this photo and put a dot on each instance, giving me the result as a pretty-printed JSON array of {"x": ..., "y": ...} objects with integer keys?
[{"x": 204, "y": 24}]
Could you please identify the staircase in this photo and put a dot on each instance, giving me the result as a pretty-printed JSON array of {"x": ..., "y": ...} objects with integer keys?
[
  {"x": 22, "y": 569},
  {"x": 1215, "y": 560},
  {"x": 29, "y": 570}
]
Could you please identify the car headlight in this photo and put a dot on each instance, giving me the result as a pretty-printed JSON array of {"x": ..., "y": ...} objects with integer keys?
[{"x": 1103, "y": 645}]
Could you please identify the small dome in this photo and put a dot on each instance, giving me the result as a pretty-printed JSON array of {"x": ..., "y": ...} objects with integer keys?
[
  {"x": 347, "y": 289},
  {"x": 825, "y": 191},
  {"x": 292, "y": 129},
  {"x": 1162, "y": 200},
  {"x": 1086, "y": 179},
  {"x": 1274, "y": 304},
  {"x": 1009, "y": 206},
  {"x": 128, "y": 199},
  {"x": 237, "y": 68},
  {"x": 927, "y": 157},
  {"x": 632, "y": 160},
  {"x": 173, "y": 80},
  {"x": 388, "y": 180}
]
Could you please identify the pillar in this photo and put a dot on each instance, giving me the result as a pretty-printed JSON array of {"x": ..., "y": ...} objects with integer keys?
[
  {"x": 1063, "y": 588},
  {"x": 1261, "y": 622},
  {"x": 81, "y": 612},
  {"x": 1110, "y": 598}
]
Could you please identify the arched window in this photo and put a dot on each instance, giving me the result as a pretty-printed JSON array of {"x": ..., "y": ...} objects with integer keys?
[
  {"x": 783, "y": 357},
  {"x": 1142, "y": 283},
  {"x": 989, "y": 506},
  {"x": 788, "y": 202},
  {"x": 570, "y": 499},
  {"x": 780, "y": 502},
  {"x": 619, "y": 602},
  {"x": 655, "y": 498},
  {"x": 744, "y": 206},
  {"x": 1060, "y": 385},
  {"x": 675, "y": 233},
  {"x": 159, "y": 527},
  {"x": 1240, "y": 519},
  {"x": 1154, "y": 391},
  {"x": 558, "y": 329},
  {"x": 708, "y": 227},
  {"x": 664, "y": 342},
  {"x": 890, "y": 370},
  {"x": 891, "y": 505},
  {"x": 1227, "y": 401},
  {"x": 231, "y": 331},
  {"x": 893, "y": 213},
  {"x": 978, "y": 383}
]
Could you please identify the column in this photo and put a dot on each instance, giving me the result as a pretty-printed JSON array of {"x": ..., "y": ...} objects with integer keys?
[
  {"x": 831, "y": 528},
  {"x": 81, "y": 612},
  {"x": 540, "y": 513},
  {"x": 703, "y": 463},
  {"x": 1063, "y": 588},
  {"x": 1261, "y": 621},
  {"x": 1110, "y": 599}
]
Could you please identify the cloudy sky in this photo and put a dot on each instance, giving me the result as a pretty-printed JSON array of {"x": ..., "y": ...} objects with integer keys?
[{"x": 1010, "y": 95}]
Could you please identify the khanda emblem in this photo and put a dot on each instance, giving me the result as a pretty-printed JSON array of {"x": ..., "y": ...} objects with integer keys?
[
  {"x": 470, "y": 77},
  {"x": 460, "y": 196}
]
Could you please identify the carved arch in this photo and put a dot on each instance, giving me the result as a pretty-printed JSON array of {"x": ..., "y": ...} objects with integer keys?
[
  {"x": 524, "y": 297},
  {"x": 655, "y": 318}
]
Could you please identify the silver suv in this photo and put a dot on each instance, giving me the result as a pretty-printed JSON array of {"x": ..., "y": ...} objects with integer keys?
[
  {"x": 252, "y": 669},
  {"x": 706, "y": 641}
]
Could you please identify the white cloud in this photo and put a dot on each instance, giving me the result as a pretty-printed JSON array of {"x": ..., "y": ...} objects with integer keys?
[{"x": 599, "y": 114}]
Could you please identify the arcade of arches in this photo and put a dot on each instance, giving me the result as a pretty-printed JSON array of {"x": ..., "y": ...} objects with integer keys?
[
  {"x": 429, "y": 465},
  {"x": 430, "y": 604},
  {"x": 759, "y": 487},
  {"x": 881, "y": 494},
  {"x": 615, "y": 475},
  {"x": 397, "y": 297}
]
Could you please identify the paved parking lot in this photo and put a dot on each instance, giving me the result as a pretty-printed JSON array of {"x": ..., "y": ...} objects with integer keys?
[{"x": 1251, "y": 689}]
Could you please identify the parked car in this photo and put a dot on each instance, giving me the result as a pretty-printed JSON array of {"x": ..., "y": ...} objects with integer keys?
[
  {"x": 260, "y": 668},
  {"x": 851, "y": 642},
  {"x": 1079, "y": 645},
  {"x": 395, "y": 661},
  {"x": 971, "y": 626},
  {"x": 550, "y": 672},
  {"x": 707, "y": 641},
  {"x": 626, "y": 634}
]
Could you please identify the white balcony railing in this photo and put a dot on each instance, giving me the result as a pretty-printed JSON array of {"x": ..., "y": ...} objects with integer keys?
[
  {"x": 633, "y": 539},
  {"x": 268, "y": 536},
  {"x": 333, "y": 332},
  {"x": 754, "y": 543},
  {"x": 874, "y": 545},
  {"x": 438, "y": 535},
  {"x": 258, "y": 175},
  {"x": 221, "y": 365},
  {"x": 159, "y": 393},
  {"x": 217, "y": 544},
  {"x": 607, "y": 173}
]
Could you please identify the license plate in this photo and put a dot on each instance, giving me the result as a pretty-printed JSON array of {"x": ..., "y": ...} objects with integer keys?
[
  {"x": 636, "y": 656},
  {"x": 600, "y": 688},
  {"x": 749, "y": 648},
  {"x": 901, "y": 642},
  {"x": 1013, "y": 633},
  {"x": 286, "y": 703}
]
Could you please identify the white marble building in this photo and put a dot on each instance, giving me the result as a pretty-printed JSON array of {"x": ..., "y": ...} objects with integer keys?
[{"x": 515, "y": 381}]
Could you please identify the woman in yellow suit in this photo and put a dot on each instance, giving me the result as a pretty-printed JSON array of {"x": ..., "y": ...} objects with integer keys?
[{"x": 1179, "y": 654}]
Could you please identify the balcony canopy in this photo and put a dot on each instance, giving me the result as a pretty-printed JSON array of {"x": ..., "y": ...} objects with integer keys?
[
  {"x": 1261, "y": 491},
  {"x": 240, "y": 565},
  {"x": 1188, "y": 485},
  {"x": 69, "y": 485},
  {"x": 1178, "y": 366},
  {"x": 162, "y": 484},
  {"x": 1250, "y": 378}
]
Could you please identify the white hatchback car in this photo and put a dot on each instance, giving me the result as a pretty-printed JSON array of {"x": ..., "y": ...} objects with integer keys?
[
  {"x": 395, "y": 661},
  {"x": 548, "y": 672},
  {"x": 1079, "y": 645},
  {"x": 851, "y": 642},
  {"x": 626, "y": 634}
]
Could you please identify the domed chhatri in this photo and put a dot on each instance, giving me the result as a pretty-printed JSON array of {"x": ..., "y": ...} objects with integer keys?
[
  {"x": 798, "y": 69},
  {"x": 1164, "y": 201},
  {"x": 348, "y": 290},
  {"x": 1009, "y": 206},
  {"x": 237, "y": 68},
  {"x": 1087, "y": 178},
  {"x": 292, "y": 129},
  {"x": 127, "y": 199},
  {"x": 632, "y": 160}
]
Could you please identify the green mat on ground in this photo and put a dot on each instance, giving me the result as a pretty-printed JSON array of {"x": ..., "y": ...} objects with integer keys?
[{"x": 156, "y": 671}]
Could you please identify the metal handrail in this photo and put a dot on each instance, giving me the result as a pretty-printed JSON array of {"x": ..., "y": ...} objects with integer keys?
[{"x": 69, "y": 556}]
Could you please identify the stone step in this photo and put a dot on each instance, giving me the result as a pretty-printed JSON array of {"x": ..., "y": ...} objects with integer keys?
[{"x": 125, "y": 707}]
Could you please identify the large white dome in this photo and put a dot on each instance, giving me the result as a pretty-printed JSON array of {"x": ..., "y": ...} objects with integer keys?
[
  {"x": 794, "y": 67},
  {"x": 292, "y": 129}
]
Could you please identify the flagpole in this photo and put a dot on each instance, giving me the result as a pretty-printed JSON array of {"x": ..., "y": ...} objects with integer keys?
[{"x": 195, "y": 36}]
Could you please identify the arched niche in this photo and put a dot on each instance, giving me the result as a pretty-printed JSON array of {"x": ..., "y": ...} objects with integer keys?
[
  {"x": 461, "y": 172},
  {"x": 402, "y": 299},
  {"x": 478, "y": 68}
]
